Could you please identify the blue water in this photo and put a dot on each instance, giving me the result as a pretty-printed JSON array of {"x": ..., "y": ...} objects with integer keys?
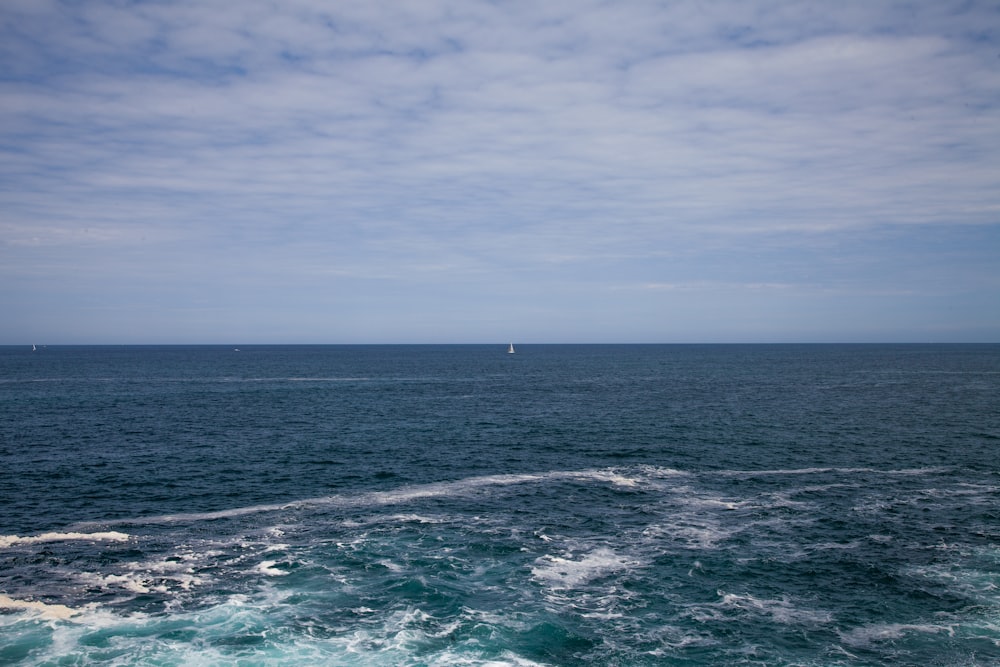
[{"x": 457, "y": 505}]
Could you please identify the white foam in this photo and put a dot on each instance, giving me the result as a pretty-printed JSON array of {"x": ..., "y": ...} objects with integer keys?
[
  {"x": 390, "y": 565},
  {"x": 383, "y": 638},
  {"x": 167, "y": 573},
  {"x": 267, "y": 567},
  {"x": 40, "y": 609},
  {"x": 979, "y": 584},
  {"x": 567, "y": 573},
  {"x": 691, "y": 531},
  {"x": 672, "y": 638},
  {"x": 153, "y": 577},
  {"x": 414, "y": 518},
  {"x": 130, "y": 582},
  {"x": 733, "y": 607},
  {"x": 613, "y": 478},
  {"x": 507, "y": 659},
  {"x": 12, "y": 540},
  {"x": 711, "y": 503},
  {"x": 410, "y": 493},
  {"x": 867, "y": 634},
  {"x": 781, "y": 610}
]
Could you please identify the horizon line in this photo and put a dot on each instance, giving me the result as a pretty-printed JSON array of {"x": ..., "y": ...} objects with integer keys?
[{"x": 237, "y": 345}]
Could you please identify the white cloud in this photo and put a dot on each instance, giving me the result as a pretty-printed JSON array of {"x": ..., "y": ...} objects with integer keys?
[{"x": 469, "y": 138}]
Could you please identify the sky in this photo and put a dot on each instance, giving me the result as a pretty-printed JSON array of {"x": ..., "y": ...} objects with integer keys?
[{"x": 486, "y": 171}]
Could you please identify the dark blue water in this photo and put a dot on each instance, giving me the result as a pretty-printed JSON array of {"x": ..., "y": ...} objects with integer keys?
[{"x": 458, "y": 505}]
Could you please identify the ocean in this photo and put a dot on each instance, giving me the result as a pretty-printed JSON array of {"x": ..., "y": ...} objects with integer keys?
[{"x": 459, "y": 505}]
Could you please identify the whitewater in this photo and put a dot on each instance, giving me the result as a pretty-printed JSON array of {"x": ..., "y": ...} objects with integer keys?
[{"x": 457, "y": 505}]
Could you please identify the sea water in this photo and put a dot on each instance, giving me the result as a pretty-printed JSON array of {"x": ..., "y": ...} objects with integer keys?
[{"x": 459, "y": 505}]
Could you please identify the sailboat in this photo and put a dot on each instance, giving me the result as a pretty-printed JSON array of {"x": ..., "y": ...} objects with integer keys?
[
  {"x": 510, "y": 350},
  {"x": 33, "y": 348}
]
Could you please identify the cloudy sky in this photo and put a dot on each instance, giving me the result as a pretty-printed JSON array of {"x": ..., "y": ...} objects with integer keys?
[{"x": 345, "y": 171}]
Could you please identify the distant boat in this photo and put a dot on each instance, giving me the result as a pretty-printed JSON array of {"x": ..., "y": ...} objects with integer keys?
[
  {"x": 35, "y": 349},
  {"x": 510, "y": 350}
]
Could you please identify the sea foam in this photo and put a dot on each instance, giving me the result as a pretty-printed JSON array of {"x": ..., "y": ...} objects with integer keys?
[
  {"x": 13, "y": 540},
  {"x": 46, "y": 611},
  {"x": 562, "y": 573},
  {"x": 404, "y": 494}
]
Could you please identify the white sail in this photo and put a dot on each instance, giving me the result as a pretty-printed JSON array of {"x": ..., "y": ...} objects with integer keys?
[{"x": 510, "y": 350}]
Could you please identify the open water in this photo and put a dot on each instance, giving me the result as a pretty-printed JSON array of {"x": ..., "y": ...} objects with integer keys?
[{"x": 457, "y": 505}]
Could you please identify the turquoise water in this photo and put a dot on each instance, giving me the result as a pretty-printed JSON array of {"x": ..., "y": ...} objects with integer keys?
[{"x": 457, "y": 505}]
